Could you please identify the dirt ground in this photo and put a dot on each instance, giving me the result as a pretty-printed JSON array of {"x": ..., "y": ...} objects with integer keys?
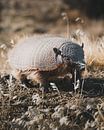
[{"x": 22, "y": 106}]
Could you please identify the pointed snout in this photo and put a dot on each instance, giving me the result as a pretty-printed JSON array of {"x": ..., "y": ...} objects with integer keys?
[{"x": 81, "y": 66}]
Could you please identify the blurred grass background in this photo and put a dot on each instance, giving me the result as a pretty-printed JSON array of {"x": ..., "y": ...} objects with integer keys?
[
  {"x": 43, "y": 16},
  {"x": 26, "y": 17}
]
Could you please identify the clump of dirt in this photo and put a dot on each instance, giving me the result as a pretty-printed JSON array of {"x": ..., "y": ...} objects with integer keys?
[{"x": 23, "y": 108}]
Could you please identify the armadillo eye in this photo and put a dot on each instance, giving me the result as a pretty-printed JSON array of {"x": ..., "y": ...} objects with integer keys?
[{"x": 57, "y": 51}]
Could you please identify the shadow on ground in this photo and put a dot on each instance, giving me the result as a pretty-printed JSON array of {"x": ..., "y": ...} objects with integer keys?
[{"x": 91, "y": 87}]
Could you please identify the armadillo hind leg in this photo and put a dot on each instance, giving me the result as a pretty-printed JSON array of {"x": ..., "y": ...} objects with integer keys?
[
  {"x": 41, "y": 80},
  {"x": 27, "y": 82},
  {"x": 20, "y": 77}
]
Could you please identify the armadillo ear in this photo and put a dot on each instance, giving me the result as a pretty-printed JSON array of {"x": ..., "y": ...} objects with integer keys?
[
  {"x": 82, "y": 45},
  {"x": 57, "y": 51}
]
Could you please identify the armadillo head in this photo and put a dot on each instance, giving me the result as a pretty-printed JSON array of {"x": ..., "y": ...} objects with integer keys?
[{"x": 73, "y": 55}]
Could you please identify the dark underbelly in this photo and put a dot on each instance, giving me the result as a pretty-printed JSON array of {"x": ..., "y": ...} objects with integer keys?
[
  {"x": 59, "y": 72},
  {"x": 43, "y": 76}
]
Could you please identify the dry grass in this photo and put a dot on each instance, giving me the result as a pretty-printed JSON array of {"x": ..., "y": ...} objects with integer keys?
[{"x": 93, "y": 47}]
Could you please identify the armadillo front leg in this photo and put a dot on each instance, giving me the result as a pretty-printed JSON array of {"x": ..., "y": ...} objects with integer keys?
[
  {"x": 76, "y": 79},
  {"x": 44, "y": 88}
]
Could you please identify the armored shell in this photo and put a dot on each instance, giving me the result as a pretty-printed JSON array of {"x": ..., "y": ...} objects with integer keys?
[{"x": 37, "y": 52}]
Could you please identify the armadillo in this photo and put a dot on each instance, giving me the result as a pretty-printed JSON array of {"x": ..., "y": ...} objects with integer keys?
[{"x": 44, "y": 58}]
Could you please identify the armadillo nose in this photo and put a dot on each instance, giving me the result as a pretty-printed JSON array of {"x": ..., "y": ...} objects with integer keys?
[{"x": 81, "y": 66}]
